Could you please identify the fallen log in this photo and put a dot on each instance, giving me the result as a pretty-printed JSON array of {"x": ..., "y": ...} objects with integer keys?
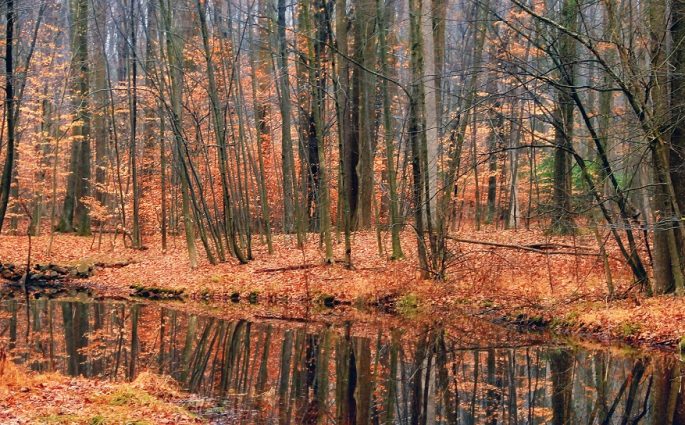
[
  {"x": 527, "y": 247},
  {"x": 113, "y": 265},
  {"x": 552, "y": 245},
  {"x": 287, "y": 268},
  {"x": 284, "y": 318}
]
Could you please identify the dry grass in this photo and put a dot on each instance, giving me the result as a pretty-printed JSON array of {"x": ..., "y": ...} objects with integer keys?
[{"x": 29, "y": 398}]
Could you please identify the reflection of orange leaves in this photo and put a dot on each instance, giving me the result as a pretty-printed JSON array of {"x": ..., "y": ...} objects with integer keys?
[
  {"x": 604, "y": 47},
  {"x": 538, "y": 6}
]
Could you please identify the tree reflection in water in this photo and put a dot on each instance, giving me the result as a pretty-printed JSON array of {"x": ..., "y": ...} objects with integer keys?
[{"x": 281, "y": 372}]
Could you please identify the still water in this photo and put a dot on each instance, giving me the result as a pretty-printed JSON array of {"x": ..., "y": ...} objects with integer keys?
[{"x": 282, "y": 372}]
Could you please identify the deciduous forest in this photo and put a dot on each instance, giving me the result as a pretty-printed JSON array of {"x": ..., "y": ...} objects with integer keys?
[{"x": 342, "y": 211}]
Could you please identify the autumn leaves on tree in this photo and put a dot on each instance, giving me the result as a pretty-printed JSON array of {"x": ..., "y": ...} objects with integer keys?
[{"x": 231, "y": 122}]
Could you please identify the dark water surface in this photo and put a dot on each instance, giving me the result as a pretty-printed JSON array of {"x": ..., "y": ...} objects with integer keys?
[{"x": 290, "y": 372}]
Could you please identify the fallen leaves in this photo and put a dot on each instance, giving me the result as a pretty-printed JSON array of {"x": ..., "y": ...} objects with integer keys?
[
  {"x": 28, "y": 398},
  {"x": 479, "y": 276}
]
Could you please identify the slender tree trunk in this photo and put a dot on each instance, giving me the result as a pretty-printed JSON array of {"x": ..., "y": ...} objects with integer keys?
[
  {"x": 100, "y": 98},
  {"x": 220, "y": 137},
  {"x": 677, "y": 148},
  {"x": 383, "y": 14},
  {"x": 136, "y": 236},
  {"x": 416, "y": 135},
  {"x": 364, "y": 92},
  {"x": 562, "y": 221},
  {"x": 6, "y": 178},
  {"x": 75, "y": 214},
  {"x": 173, "y": 52},
  {"x": 668, "y": 272},
  {"x": 317, "y": 78},
  {"x": 430, "y": 108},
  {"x": 341, "y": 87},
  {"x": 260, "y": 85},
  {"x": 287, "y": 157}
]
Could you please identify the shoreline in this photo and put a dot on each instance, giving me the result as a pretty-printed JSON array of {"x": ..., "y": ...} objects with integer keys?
[{"x": 564, "y": 294}]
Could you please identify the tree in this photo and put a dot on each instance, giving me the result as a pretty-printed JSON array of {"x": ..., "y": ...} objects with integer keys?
[
  {"x": 384, "y": 14},
  {"x": 287, "y": 157},
  {"x": 136, "y": 236},
  {"x": 6, "y": 178},
  {"x": 175, "y": 71},
  {"x": 566, "y": 54},
  {"x": 75, "y": 214}
]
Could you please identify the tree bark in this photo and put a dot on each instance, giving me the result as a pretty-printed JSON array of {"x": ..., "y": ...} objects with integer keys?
[
  {"x": 75, "y": 215},
  {"x": 562, "y": 220},
  {"x": 6, "y": 178}
]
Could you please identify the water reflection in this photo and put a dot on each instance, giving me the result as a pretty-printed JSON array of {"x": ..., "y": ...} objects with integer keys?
[{"x": 298, "y": 373}]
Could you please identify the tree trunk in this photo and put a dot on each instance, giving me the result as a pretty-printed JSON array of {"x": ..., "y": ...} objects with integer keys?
[
  {"x": 175, "y": 70},
  {"x": 6, "y": 178},
  {"x": 562, "y": 220},
  {"x": 364, "y": 96},
  {"x": 384, "y": 15},
  {"x": 287, "y": 157},
  {"x": 668, "y": 272},
  {"x": 430, "y": 83},
  {"x": 133, "y": 105},
  {"x": 261, "y": 80},
  {"x": 100, "y": 98}
]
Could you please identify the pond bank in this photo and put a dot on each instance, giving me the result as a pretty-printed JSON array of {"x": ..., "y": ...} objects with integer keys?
[
  {"x": 565, "y": 293},
  {"x": 187, "y": 364},
  {"x": 53, "y": 398}
]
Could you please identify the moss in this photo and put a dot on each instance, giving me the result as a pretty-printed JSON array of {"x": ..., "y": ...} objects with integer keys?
[
  {"x": 487, "y": 304},
  {"x": 681, "y": 345},
  {"x": 205, "y": 293},
  {"x": 572, "y": 317},
  {"x": 569, "y": 320},
  {"x": 156, "y": 293},
  {"x": 215, "y": 410},
  {"x": 362, "y": 302},
  {"x": 58, "y": 419},
  {"x": 128, "y": 396},
  {"x": 97, "y": 420},
  {"x": 536, "y": 320},
  {"x": 408, "y": 305},
  {"x": 629, "y": 329},
  {"x": 524, "y": 319}
]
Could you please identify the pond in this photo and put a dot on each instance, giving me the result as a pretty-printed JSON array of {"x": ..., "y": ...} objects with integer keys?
[{"x": 343, "y": 372}]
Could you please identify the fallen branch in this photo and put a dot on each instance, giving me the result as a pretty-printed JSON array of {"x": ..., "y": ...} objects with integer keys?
[
  {"x": 287, "y": 268},
  {"x": 552, "y": 245},
  {"x": 284, "y": 318},
  {"x": 529, "y": 248},
  {"x": 114, "y": 265}
]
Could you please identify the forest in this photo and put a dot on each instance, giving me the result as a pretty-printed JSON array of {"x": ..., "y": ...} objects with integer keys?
[{"x": 363, "y": 183}]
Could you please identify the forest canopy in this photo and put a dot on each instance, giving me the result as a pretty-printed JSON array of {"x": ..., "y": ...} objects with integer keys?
[{"x": 229, "y": 122}]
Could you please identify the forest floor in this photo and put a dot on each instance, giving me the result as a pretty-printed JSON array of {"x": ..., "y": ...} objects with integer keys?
[
  {"x": 524, "y": 277},
  {"x": 30, "y": 398}
]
